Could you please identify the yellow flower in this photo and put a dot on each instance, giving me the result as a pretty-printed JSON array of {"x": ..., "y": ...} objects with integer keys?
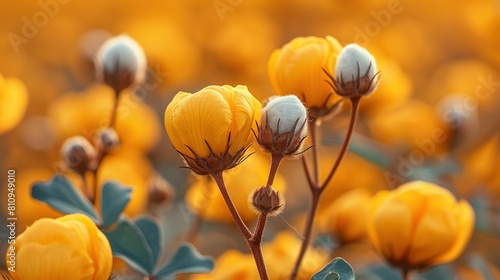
[
  {"x": 70, "y": 247},
  {"x": 419, "y": 225},
  {"x": 232, "y": 265},
  {"x": 85, "y": 113},
  {"x": 212, "y": 128},
  {"x": 429, "y": 135},
  {"x": 281, "y": 253},
  {"x": 203, "y": 195},
  {"x": 373, "y": 177},
  {"x": 393, "y": 90},
  {"x": 279, "y": 256},
  {"x": 298, "y": 68},
  {"x": 13, "y": 103},
  {"x": 30, "y": 209},
  {"x": 346, "y": 217}
]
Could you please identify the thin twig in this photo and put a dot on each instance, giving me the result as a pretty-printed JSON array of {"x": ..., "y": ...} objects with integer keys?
[{"x": 345, "y": 145}]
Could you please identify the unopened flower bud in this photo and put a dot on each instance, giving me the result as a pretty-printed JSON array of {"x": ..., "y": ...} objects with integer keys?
[
  {"x": 121, "y": 63},
  {"x": 160, "y": 191},
  {"x": 462, "y": 121},
  {"x": 283, "y": 125},
  {"x": 356, "y": 72},
  {"x": 78, "y": 154},
  {"x": 107, "y": 140},
  {"x": 267, "y": 201}
]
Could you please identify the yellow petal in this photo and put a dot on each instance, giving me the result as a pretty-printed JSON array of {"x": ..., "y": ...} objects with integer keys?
[
  {"x": 13, "y": 103},
  {"x": 378, "y": 199},
  {"x": 347, "y": 215},
  {"x": 98, "y": 246},
  {"x": 48, "y": 231},
  {"x": 190, "y": 119},
  {"x": 465, "y": 226},
  {"x": 297, "y": 69},
  {"x": 273, "y": 73},
  {"x": 245, "y": 109},
  {"x": 55, "y": 261},
  {"x": 433, "y": 235},
  {"x": 392, "y": 224}
]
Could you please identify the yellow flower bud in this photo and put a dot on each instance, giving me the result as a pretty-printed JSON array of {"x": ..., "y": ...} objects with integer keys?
[
  {"x": 13, "y": 102},
  {"x": 280, "y": 255},
  {"x": 300, "y": 68},
  {"x": 419, "y": 225},
  {"x": 212, "y": 128},
  {"x": 346, "y": 217},
  {"x": 70, "y": 247}
]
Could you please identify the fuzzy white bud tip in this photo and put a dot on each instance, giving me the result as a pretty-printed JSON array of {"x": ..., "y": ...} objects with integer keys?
[
  {"x": 283, "y": 125},
  {"x": 120, "y": 62},
  {"x": 356, "y": 72},
  {"x": 283, "y": 112}
]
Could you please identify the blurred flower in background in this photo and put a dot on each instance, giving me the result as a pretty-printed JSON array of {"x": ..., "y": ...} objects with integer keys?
[
  {"x": 419, "y": 225},
  {"x": 14, "y": 100}
]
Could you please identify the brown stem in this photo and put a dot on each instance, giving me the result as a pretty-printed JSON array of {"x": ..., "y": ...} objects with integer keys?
[
  {"x": 114, "y": 110},
  {"x": 345, "y": 145},
  {"x": 85, "y": 184},
  {"x": 253, "y": 240},
  {"x": 406, "y": 274},
  {"x": 254, "y": 244},
  {"x": 100, "y": 157},
  {"x": 232, "y": 209},
  {"x": 316, "y": 193},
  {"x": 194, "y": 228},
  {"x": 310, "y": 181},
  {"x": 275, "y": 163},
  {"x": 313, "y": 129},
  {"x": 317, "y": 189}
]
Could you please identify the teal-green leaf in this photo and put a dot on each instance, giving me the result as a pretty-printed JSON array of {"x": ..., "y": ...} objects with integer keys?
[
  {"x": 478, "y": 262},
  {"x": 61, "y": 195},
  {"x": 185, "y": 260},
  {"x": 338, "y": 266},
  {"x": 370, "y": 151},
  {"x": 114, "y": 198},
  {"x": 128, "y": 243},
  {"x": 332, "y": 276},
  {"x": 151, "y": 232}
]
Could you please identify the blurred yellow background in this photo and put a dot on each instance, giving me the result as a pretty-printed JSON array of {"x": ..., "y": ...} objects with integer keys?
[{"x": 437, "y": 98}]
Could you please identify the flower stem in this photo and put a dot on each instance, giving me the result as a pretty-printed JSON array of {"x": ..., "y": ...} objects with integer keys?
[
  {"x": 194, "y": 228},
  {"x": 230, "y": 205},
  {"x": 114, "y": 110},
  {"x": 316, "y": 187},
  {"x": 313, "y": 128},
  {"x": 275, "y": 163},
  {"x": 254, "y": 244},
  {"x": 316, "y": 193},
  {"x": 347, "y": 140},
  {"x": 253, "y": 240},
  {"x": 86, "y": 191},
  {"x": 406, "y": 274}
]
